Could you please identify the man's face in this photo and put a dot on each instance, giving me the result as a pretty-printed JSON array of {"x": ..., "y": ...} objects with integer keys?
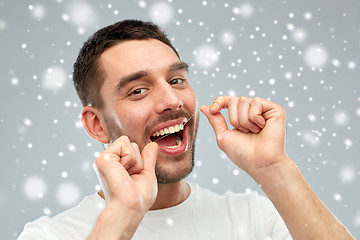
[{"x": 146, "y": 93}]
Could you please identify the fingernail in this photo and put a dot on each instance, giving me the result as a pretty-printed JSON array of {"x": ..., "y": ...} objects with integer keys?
[{"x": 214, "y": 106}]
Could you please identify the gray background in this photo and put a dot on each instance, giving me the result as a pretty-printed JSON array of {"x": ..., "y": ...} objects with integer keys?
[{"x": 303, "y": 55}]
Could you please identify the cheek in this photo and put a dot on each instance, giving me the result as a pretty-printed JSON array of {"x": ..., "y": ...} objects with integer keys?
[
  {"x": 134, "y": 119},
  {"x": 191, "y": 100}
]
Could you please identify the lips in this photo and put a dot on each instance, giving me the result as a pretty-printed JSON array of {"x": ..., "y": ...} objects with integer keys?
[
  {"x": 171, "y": 137},
  {"x": 169, "y": 130}
]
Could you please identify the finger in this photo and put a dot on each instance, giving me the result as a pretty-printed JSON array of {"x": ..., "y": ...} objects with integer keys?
[
  {"x": 216, "y": 120},
  {"x": 272, "y": 110},
  {"x": 256, "y": 111},
  {"x": 111, "y": 173},
  {"x": 243, "y": 130},
  {"x": 113, "y": 155},
  {"x": 120, "y": 147},
  {"x": 220, "y": 103},
  {"x": 126, "y": 153},
  {"x": 149, "y": 155},
  {"x": 136, "y": 165},
  {"x": 233, "y": 112},
  {"x": 244, "y": 108}
]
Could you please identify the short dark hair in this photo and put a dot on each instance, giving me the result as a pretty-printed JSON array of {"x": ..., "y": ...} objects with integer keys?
[{"x": 88, "y": 74}]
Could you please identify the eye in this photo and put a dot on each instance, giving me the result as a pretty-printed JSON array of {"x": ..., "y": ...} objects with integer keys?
[
  {"x": 138, "y": 91},
  {"x": 176, "y": 81}
]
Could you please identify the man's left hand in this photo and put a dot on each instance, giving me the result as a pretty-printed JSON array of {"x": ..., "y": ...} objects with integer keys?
[{"x": 258, "y": 136}]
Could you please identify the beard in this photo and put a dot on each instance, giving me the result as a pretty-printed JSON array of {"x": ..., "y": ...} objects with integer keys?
[{"x": 165, "y": 174}]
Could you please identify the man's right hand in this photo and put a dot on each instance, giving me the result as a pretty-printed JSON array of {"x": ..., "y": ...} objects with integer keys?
[{"x": 129, "y": 184}]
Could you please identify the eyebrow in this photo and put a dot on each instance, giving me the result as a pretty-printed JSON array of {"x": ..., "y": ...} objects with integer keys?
[
  {"x": 179, "y": 66},
  {"x": 143, "y": 73}
]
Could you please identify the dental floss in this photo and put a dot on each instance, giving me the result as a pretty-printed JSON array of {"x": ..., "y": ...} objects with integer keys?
[
  {"x": 106, "y": 145},
  {"x": 187, "y": 120},
  {"x": 191, "y": 116}
]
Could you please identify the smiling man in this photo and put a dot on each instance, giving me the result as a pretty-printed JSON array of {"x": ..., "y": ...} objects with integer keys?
[
  {"x": 143, "y": 99},
  {"x": 137, "y": 100}
]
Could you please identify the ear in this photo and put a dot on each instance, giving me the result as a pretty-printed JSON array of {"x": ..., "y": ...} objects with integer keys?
[{"x": 94, "y": 124}]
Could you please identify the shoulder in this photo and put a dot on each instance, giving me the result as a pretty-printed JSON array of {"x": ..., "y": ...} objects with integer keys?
[
  {"x": 259, "y": 207},
  {"x": 249, "y": 213},
  {"x": 241, "y": 203},
  {"x": 88, "y": 209},
  {"x": 261, "y": 213},
  {"x": 248, "y": 205},
  {"x": 74, "y": 223},
  {"x": 240, "y": 199}
]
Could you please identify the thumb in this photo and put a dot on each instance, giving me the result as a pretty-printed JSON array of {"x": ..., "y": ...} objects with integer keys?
[
  {"x": 148, "y": 155},
  {"x": 217, "y": 120}
]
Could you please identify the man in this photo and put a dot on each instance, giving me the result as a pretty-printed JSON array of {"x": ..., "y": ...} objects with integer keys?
[{"x": 137, "y": 98}]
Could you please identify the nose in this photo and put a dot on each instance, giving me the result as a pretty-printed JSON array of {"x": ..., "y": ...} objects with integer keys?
[{"x": 167, "y": 98}]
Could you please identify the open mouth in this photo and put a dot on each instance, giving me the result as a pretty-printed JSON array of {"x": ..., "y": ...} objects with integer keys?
[{"x": 170, "y": 137}]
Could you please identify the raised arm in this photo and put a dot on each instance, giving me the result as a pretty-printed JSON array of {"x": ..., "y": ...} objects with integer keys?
[
  {"x": 129, "y": 186},
  {"x": 256, "y": 144}
]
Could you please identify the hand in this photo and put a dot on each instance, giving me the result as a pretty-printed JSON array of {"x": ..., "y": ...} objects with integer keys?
[
  {"x": 258, "y": 137},
  {"x": 128, "y": 177},
  {"x": 256, "y": 145}
]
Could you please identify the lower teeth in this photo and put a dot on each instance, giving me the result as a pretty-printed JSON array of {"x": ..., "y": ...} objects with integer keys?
[{"x": 178, "y": 143}]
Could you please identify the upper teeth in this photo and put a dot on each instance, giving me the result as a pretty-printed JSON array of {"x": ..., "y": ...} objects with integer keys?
[{"x": 169, "y": 130}]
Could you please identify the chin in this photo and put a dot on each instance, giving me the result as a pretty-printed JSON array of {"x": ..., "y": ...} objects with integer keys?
[{"x": 174, "y": 171}]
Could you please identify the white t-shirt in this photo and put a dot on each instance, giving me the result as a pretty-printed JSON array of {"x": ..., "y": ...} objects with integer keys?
[{"x": 203, "y": 215}]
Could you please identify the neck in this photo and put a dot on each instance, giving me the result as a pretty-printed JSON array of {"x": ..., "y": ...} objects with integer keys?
[{"x": 170, "y": 195}]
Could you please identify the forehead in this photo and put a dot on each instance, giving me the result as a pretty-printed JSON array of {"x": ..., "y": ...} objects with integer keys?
[{"x": 137, "y": 55}]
